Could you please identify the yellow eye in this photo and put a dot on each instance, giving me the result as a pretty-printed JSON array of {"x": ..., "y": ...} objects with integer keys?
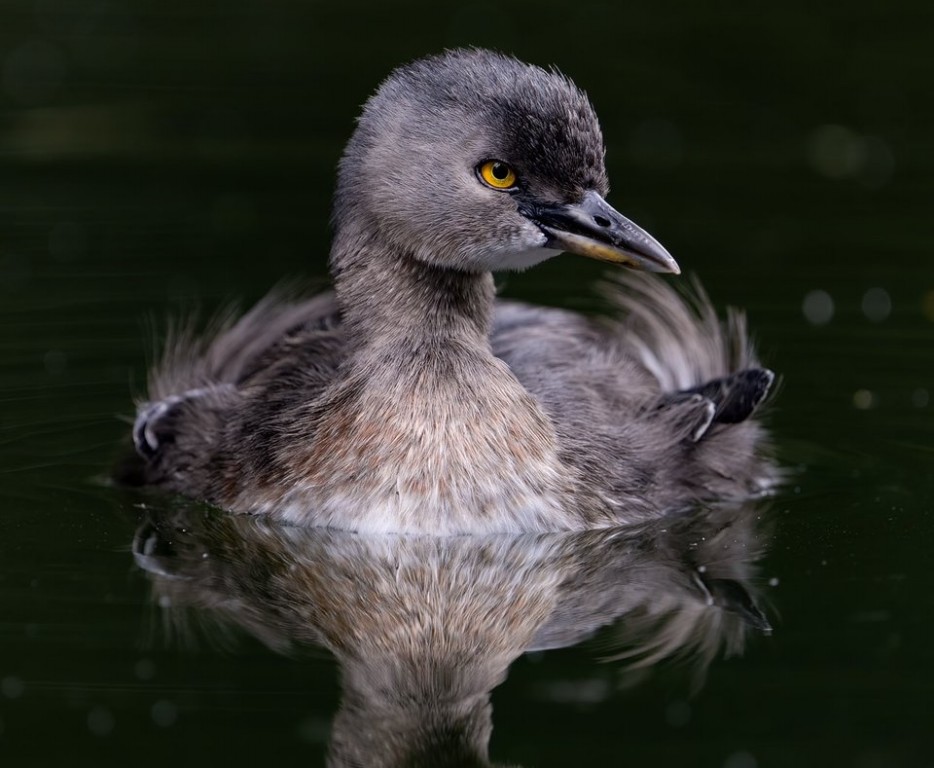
[{"x": 497, "y": 174}]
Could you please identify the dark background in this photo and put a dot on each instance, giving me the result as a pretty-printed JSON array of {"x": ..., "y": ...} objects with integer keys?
[{"x": 157, "y": 155}]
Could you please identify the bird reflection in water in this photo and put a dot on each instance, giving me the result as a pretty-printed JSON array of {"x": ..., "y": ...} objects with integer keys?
[{"x": 423, "y": 628}]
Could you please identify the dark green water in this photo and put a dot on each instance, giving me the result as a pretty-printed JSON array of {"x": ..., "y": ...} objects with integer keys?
[{"x": 157, "y": 155}]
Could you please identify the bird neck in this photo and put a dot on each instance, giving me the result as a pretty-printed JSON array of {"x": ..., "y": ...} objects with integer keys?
[
  {"x": 425, "y": 420},
  {"x": 387, "y": 295}
]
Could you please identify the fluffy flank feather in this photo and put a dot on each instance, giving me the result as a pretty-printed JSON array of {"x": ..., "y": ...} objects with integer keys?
[
  {"x": 678, "y": 336},
  {"x": 196, "y": 357}
]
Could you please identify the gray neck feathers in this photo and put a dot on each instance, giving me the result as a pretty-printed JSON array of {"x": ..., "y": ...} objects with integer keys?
[{"x": 388, "y": 295}]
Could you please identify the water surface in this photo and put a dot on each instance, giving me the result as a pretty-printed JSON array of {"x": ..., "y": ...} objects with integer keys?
[{"x": 154, "y": 158}]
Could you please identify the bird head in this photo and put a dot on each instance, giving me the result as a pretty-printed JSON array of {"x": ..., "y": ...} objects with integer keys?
[{"x": 475, "y": 161}]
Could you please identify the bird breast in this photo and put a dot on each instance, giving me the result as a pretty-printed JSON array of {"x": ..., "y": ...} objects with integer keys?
[{"x": 430, "y": 449}]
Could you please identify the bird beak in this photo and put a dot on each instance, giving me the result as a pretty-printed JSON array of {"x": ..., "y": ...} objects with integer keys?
[{"x": 595, "y": 229}]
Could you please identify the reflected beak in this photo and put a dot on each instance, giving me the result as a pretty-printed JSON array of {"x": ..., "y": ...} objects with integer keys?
[{"x": 595, "y": 229}]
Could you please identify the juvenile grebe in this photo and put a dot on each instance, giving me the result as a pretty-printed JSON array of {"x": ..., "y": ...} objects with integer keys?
[{"x": 410, "y": 400}]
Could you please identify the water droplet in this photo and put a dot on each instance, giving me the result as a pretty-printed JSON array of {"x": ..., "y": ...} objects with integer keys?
[
  {"x": 818, "y": 307},
  {"x": 314, "y": 730},
  {"x": 878, "y": 163},
  {"x": 877, "y": 305},
  {"x": 55, "y": 362},
  {"x": 144, "y": 669},
  {"x": 927, "y": 305},
  {"x": 838, "y": 152},
  {"x": 863, "y": 399},
  {"x": 678, "y": 714},
  {"x": 100, "y": 721},
  {"x": 920, "y": 398},
  {"x": 164, "y": 713},
  {"x": 12, "y": 687},
  {"x": 835, "y": 151},
  {"x": 740, "y": 760}
]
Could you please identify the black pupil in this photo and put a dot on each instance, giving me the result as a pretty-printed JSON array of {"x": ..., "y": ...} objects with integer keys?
[{"x": 500, "y": 171}]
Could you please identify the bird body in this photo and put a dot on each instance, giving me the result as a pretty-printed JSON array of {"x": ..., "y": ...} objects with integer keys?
[{"x": 411, "y": 400}]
